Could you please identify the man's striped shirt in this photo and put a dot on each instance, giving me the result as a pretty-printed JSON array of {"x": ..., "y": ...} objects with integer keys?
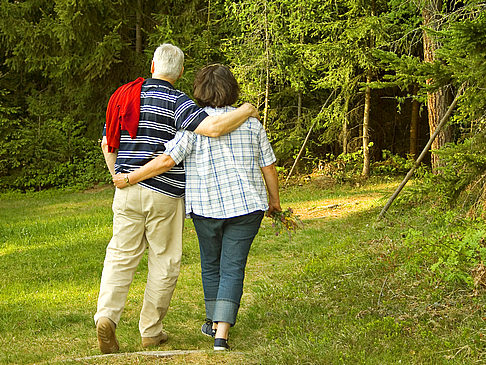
[{"x": 163, "y": 111}]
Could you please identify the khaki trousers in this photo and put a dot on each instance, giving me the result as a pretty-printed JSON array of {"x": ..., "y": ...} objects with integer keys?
[{"x": 142, "y": 218}]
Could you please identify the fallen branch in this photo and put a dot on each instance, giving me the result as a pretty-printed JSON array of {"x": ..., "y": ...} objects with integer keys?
[{"x": 442, "y": 123}]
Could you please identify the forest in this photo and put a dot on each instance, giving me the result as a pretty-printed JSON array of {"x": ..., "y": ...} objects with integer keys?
[{"x": 363, "y": 83}]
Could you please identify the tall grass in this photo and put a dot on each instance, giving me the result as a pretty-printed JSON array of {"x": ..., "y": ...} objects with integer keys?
[{"x": 339, "y": 293}]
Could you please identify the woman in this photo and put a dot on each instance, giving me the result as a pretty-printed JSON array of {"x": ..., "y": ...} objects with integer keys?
[{"x": 225, "y": 196}]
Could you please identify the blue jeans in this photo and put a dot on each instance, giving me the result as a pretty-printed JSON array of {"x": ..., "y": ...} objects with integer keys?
[{"x": 224, "y": 245}]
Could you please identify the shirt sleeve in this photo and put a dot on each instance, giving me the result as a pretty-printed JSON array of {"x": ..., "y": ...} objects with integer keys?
[
  {"x": 187, "y": 114},
  {"x": 180, "y": 146},
  {"x": 267, "y": 157}
]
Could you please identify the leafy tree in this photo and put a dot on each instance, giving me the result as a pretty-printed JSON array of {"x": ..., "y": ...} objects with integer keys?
[
  {"x": 65, "y": 58},
  {"x": 61, "y": 60}
]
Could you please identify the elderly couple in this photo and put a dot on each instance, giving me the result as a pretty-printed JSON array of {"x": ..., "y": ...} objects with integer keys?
[{"x": 151, "y": 129}]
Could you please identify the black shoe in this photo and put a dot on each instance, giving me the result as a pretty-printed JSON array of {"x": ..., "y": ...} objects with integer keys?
[
  {"x": 207, "y": 328},
  {"x": 221, "y": 344}
]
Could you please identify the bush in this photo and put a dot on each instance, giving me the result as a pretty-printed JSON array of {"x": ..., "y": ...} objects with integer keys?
[
  {"x": 391, "y": 164},
  {"x": 452, "y": 248},
  {"x": 461, "y": 181},
  {"x": 343, "y": 167},
  {"x": 56, "y": 154},
  {"x": 349, "y": 165}
]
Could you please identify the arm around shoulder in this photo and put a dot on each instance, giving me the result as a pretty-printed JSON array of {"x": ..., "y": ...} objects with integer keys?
[{"x": 219, "y": 125}]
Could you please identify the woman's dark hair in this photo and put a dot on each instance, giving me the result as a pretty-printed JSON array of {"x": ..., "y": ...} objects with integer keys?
[{"x": 215, "y": 86}]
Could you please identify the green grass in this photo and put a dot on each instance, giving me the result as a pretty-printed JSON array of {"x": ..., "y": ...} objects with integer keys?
[{"x": 339, "y": 293}]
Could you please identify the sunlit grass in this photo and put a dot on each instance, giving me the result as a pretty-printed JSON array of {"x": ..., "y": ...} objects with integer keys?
[{"x": 335, "y": 294}]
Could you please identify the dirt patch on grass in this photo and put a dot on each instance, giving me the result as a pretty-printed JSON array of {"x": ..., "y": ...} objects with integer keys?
[
  {"x": 336, "y": 208},
  {"x": 167, "y": 357}
]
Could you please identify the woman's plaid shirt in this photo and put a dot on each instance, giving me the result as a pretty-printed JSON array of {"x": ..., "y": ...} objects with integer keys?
[{"x": 223, "y": 176}]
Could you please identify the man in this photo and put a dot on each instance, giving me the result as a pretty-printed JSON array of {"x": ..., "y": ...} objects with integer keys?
[{"x": 150, "y": 214}]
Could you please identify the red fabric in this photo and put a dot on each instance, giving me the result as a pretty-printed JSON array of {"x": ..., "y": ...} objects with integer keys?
[{"x": 123, "y": 112}]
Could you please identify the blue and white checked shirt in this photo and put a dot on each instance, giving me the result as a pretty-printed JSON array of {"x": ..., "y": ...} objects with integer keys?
[{"x": 223, "y": 177}]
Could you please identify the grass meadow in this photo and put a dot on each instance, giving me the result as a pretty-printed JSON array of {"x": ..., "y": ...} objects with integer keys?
[{"x": 338, "y": 293}]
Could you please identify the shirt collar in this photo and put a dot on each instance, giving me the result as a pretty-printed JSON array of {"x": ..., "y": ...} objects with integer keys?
[{"x": 160, "y": 82}]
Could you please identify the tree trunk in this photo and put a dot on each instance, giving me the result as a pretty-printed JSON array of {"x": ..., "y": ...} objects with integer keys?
[
  {"x": 437, "y": 101},
  {"x": 366, "y": 123},
  {"x": 394, "y": 133},
  {"x": 138, "y": 28},
  {"x": 414, "y": 124},
  {"x": 299, "y": 109},
  {"x": 267, "y": 67},
  {"x": 366, "y": 117},
  {"x": 345, "y": 126}
]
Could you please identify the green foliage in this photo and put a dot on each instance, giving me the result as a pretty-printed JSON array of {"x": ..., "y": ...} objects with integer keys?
[
  {"x": 344, "y": 167},
  {"x": 461, "y": 180},
  {"x": 61, "y": 60},
  {"x": 49, "y": 153},
  {"x": 457, "y": 247},
  {"x": 463, "y": 54},
  {"x": 391, "y": 164},
  {"x": 451, "y": 256},
  {"x": 348, "y": 165},
  {"x": 463, "y": 170}
]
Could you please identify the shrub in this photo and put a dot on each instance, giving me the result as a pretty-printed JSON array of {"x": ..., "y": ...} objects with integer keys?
[
  {"x": 451, "y": 249},
  {"x": 391, "y": 164}
]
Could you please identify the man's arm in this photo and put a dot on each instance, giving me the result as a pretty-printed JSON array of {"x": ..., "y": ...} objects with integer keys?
[
  {"x": 219, "y": 125},
  {"x": 110, "y": 157},
  {"x": 271, "y": 180},
  {"x": 157, "y": 166}
]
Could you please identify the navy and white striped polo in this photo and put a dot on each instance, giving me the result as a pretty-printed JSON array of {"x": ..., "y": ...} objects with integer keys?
[{"x": 163, "y": 111}]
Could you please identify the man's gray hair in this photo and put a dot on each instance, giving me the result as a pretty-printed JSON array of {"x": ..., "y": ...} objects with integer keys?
[{"x": 168, "y": 61}]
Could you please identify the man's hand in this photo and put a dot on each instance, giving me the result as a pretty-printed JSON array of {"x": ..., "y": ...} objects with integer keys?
[
  {"x": 252, "y": 110},
  {"x": 119, "y": 181},
  {"x": 219, "y": 125}
]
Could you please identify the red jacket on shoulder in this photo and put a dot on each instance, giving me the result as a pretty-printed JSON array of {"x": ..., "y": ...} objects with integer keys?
[{"x": 123, "y": 113}]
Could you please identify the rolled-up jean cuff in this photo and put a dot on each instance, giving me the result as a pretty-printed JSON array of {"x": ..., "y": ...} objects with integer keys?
[
  {"x": 225, "y": 311},
  {"x": 210, "y": 304}
]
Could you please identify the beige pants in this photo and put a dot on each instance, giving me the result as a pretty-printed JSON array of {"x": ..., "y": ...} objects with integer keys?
[{"x": 142, "y": 219}]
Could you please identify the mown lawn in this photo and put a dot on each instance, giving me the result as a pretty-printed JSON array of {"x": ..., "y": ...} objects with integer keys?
[{"x": 341, "y": 292}]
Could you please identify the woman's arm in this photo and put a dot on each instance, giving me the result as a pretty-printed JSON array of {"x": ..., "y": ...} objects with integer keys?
[
  {"x": 176, "y": 150},
  {"x": 271, "y": 180},
  {"x": 157, "y": 166}
]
